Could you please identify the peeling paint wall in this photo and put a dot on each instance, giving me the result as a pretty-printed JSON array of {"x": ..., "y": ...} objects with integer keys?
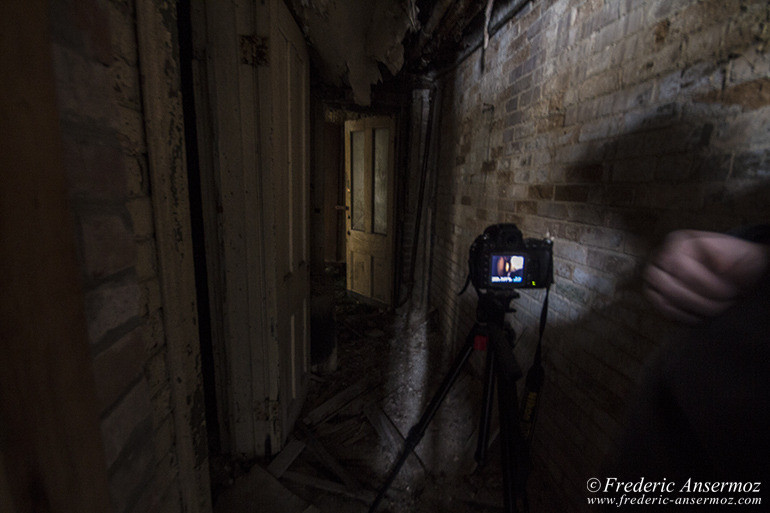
[
  {"x": 116, "y": 195},
  {"x": 605, "y": 125}
]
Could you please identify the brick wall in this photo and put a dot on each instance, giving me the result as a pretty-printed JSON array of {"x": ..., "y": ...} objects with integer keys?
[
  {"x": 100, "y": 101},
  {"x": 604, "y": 125}
]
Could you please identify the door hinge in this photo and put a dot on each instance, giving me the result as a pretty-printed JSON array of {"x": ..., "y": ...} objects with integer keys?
[{"x": 254, "y": 50}]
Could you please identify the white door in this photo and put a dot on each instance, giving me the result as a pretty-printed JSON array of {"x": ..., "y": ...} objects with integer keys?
[
  {"x": 289, "y": 147},
  {"x": 256, "y": 83}
]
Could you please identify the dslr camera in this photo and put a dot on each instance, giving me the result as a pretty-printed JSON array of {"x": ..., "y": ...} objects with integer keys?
[{"x": 501, "y": 259}]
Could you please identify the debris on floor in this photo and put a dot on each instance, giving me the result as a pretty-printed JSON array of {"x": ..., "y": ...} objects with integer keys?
[
  {"x": 359, "y": 411},
  {"x": 356, "y": 419},
  {"x": 257, "y": 490}
]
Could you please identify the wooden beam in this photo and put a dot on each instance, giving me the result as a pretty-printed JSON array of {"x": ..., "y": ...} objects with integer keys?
[
  {"x": 259, "y": 491},
  {"x": 366, "y": 496},
  {"x": 286, "y": 457},
  {"x": 164, "y": 127},
  {"x": 331, "y": 406},
  {"x": 328, "y": 460},
  {"x": 391, "y": 435}
]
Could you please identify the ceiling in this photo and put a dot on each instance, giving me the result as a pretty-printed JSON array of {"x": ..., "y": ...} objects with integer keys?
[{"x": 355, "y": 44}]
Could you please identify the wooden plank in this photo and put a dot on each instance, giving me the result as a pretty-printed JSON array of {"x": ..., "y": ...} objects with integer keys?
[
  {"x": 259, "y": 491},
  {"x": 339, "y": 429},
  {"x": 390, "y": 433},
  {"x": 286, "y": 457},
  {"x": 331, "y": 406},
  {"x": 366, "y": 496},
  {"x": 164, "y": 130},
  {"x": 328, "y": 460},
  {"x": 384, "y": 427}
]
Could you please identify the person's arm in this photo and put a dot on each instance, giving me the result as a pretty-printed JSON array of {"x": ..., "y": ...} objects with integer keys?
[{"x": 697, "y": 274}]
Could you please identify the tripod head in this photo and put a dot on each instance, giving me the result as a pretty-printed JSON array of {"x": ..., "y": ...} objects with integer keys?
[{"x": 492, "y": 306}]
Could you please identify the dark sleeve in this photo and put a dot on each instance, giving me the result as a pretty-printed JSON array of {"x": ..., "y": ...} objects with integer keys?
[
  {"x": 754, "y": 233},
  {"x": 703, "y": 410}
]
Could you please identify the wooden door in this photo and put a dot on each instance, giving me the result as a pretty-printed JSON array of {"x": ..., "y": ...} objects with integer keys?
[
  {"x": 287, "y": 207},
  {"x": 255, "y": 192},
  {"x": 369, "y": 186}
]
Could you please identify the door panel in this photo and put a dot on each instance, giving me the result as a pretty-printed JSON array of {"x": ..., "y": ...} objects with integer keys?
[
  {"x": 369, "y": 185},
  {"x": 258, "y": 209},
  {"x": 289, "y": 171}
]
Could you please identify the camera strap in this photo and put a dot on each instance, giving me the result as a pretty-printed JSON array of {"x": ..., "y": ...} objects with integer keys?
[
  {"x": 543, "y": 316},
  {"x": 535, "y": 378}
]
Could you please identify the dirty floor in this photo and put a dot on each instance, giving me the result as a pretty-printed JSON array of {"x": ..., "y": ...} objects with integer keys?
[{"x": 362, "y": 401}]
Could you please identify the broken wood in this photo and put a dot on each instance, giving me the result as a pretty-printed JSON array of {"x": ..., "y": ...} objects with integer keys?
[
  {"x": 330, "y": 407},
  {"x": 327, "y": 459},
  {"x": 285, "y": 458},
  {"x": 338, "y": 429},
  {"x": 259, "y": 491},
  {"x": 353, "y": 330},
  {"x": 392, "y": 437},
  {"x": 366, "y": 496},
  {"x": 384, "y": 427}
]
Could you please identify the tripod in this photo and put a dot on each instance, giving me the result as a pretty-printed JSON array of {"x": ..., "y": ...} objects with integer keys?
[{"x": 491, "y": 332}]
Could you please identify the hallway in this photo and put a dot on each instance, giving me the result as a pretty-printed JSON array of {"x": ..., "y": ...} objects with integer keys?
[
  {"x": 389, "y": 365},
  {"x": 175, "y": 172}
]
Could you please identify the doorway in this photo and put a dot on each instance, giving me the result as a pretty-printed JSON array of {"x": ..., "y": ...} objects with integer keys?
[{"x": 369, "y": 207}]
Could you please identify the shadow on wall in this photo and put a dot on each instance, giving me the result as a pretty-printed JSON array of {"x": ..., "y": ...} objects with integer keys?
[
  {"x": 692, "y": 165},
  {"x": 683, "y": 166}
]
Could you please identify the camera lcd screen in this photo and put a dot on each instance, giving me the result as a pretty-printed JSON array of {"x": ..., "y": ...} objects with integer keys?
[{"x": 508, "y": 268}]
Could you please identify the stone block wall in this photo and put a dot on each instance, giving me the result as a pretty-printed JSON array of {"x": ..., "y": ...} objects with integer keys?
[
  {"x": 603, "y": 125},
  {"x": 103, "y": 129}
]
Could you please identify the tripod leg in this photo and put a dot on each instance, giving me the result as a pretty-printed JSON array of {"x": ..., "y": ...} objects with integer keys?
[
  {"x": 486, "y": 408},
  {"x": 418, "y": 430},
  {"x": 513, "y": 450},
  {"x": 506, "y": 447}
]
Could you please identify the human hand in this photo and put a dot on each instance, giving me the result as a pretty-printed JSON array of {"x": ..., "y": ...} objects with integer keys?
[{"x": 697, "y": 274}]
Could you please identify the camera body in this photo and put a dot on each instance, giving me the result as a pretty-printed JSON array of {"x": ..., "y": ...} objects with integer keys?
[{"x": 501, "y": 259}]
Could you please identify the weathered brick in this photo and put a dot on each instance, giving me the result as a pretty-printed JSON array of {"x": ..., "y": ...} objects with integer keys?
[
  {"x": 585, "y": 173},
  {"x": 157, "y": 373},
  {"x": 601, "y": 237},
  {"x": 571, "y": 193},
  {"x": 146, "y": 260},
  {"x": 540, "y": 191},
  {"x": 123, "y": 35},
  {"x": 85, "y": 27},
  {"x": 95, "y": 170},
  {"x": 125, "y": 84},
  {"x": 130, "y": 415},
  {"x": 142, "y": 219},
  {"x": 110, "y": 306},
  {"x": 108, "y": 244},
  {"x": 611, "y": 262},
  {"x": 129, "y": 477},
  {"x": 119, "y": 366}
]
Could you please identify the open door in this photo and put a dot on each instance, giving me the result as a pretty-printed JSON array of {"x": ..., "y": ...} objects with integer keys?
[
  {"x": 287, "y": 169},
  {"x": 255, "y": 192},
  {"x": 369, "y": 200}
]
